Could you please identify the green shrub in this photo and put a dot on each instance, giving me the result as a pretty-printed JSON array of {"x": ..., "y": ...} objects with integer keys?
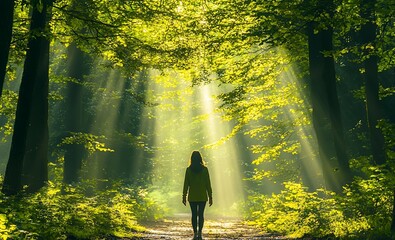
[
  {"x": 59, "y": 212},
  {"x": 298, "y": 213},
  {"x": 371, "y": 199}
]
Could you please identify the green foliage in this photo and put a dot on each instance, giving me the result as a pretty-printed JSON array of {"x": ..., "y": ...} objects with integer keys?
[
  {"x": 89, "y": 141},
  {"x": 294, "y": 212},
  {"x": 363, "y": 211},
  {"x": 82, "y": 211},
  {"x": 267, "y": 103},
  {"x": 371, "y": 199},
  {"x": 258, "y": 50},
  {"x": 148, "y": 206},
  {"x": 129, "y": 34},
  {"x": 6, "y": 229},
  {"x": 388, "y": 130},
  {"x": 7, "y": 112}
]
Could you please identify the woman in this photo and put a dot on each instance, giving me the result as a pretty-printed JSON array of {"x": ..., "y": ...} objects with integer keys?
[{"x": 198, "y": 187}]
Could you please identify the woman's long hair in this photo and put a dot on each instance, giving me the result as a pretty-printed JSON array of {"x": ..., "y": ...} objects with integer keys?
[{"x": 196, "y": 163}]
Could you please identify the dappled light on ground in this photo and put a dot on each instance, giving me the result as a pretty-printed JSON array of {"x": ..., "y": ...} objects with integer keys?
[{"x": 179, "y": 227}]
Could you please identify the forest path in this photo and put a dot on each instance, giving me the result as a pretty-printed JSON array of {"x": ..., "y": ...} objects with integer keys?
[{"x": 179, "y": 227}]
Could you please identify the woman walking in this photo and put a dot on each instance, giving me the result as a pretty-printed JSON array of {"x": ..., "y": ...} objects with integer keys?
[{"x": 197, "y": 186}]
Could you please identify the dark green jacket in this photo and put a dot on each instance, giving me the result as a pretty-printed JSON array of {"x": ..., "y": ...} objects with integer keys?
[{"x": 197, "y": 185}]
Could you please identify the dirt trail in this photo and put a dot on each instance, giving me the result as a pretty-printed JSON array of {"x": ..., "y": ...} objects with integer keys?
[{"x": 180, "y": 228}]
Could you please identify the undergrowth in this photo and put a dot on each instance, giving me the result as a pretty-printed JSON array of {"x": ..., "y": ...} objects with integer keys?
[
  {"x": 62, "y": 212},
  {"x": 363, "y": 211}
]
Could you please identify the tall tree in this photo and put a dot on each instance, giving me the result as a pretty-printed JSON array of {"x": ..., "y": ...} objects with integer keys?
[
  {"x": 35, "y": 163},
  {"x": 326, "y": 115},
  {"x": 78, "y": 67},
  {"x": 373, "y": 105},
  {"x": 34, "y": 83},
  {"x": 6, "y": 19}
]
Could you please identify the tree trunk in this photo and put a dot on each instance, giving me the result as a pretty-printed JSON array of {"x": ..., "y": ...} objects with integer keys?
[
  {"x": 373, "y": 104},
  {"x": 78, "y": 67},
  {"x": 35, "y": 166},
  {"x": 374, "y": 107},
  {"x": 326, "y": 111},
  {"x": 6, "y": 18},
  {"x": 35, "y": 77},
  {"x": 335, "y": 118}
]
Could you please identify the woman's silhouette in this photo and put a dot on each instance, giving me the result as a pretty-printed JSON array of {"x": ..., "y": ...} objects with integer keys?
[{"x": 197, "y": 186}]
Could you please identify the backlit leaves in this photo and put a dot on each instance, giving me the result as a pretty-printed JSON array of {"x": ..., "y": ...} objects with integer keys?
[{"x": 89, "y": 141}]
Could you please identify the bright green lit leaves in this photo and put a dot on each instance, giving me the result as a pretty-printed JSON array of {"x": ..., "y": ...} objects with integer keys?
[
  {"x": 82, "y": 211},
  {"x": 90, "y": 142},
  {"x": 7, "y": 111},
  {"x": 268, "y": 104},
  {"x": 297, "y": 213},
  {"x": 6, "y": 230}
]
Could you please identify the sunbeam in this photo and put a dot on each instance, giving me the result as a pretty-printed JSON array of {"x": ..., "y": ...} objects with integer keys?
[
  {"x": 224, "y": 158},
  {"x": 106, "y": 123},
  {"x": 185, "y": 120},
  {"x": 311, "y": 169}
]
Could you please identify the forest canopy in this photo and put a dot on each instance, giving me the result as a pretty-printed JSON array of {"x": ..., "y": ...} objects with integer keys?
[{"x": 290, "y": 103}]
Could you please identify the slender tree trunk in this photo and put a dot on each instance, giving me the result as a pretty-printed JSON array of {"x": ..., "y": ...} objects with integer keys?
[
  {"x": 373, "y": 104},
  {"x": 320, "y": 106},
  {"x": 326, "y": 111},
  {"x": 6, "y": 18},
  {"x": 335, "y": 117},
  {"x": 78, "y": 67},
  {"x": 35, "y": 77}
]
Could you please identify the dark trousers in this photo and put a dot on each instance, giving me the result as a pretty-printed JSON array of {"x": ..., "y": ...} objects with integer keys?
[{"x": 197, "y": 209}]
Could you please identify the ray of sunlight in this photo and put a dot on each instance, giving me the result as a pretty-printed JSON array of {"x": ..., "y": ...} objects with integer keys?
[
  {"x": 311, "y": 168},
  {"x": 182, "y": 120}
]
